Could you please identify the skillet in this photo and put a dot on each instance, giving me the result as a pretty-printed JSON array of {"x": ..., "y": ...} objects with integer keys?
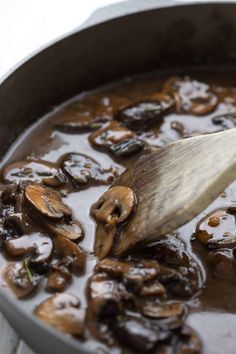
[{"x": 122, "y": 39}]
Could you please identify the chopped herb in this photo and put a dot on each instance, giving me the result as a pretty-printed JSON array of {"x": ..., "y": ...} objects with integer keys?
[
  {"x": 28, "y": 271},
  {"x": 96, "y": 125}
]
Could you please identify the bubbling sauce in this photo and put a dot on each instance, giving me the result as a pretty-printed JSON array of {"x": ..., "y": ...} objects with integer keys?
[{"x": 57, "y": 227}]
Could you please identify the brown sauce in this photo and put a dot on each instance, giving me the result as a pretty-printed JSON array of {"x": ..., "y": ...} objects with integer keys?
[{"x": 175, "y": 296}]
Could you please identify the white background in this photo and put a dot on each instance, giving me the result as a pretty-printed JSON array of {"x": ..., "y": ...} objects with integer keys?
[{"x": 26, "y": 25}]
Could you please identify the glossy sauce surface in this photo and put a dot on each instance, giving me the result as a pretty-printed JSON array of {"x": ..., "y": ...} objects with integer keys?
[{"x": 198, "y": 246}]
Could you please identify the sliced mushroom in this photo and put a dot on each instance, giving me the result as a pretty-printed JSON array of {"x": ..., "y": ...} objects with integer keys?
[
  {"x": 117, "y": 139},
  {"x": 184, "y": 277},
  {"x": 143, "y": 114},
  {"x": 170, "y": 315},
  {"x": 21, "y": 280},
  {"x": 153, "y": 288},
  {"x": 90, "y": 114},
  {"x": 105, "y": 237},
  {"x": 38, "y": 245},
  {"x": 34, "y": 171},
  {"x": 164, "y": 310},
  {"x": 217, "y": 230},
  {"x": 127, "y": 147},
  {"x": 100, "y": 313},
  {"x": 47, "y": 202},
  {"x": 83, "y": 169},
  {"x": 225, "y": 121},
  {"x": 66, "y": 247},
  {"x": 71, "y": 229},
  {"x": 138, "y": 334},
  {"x": 222, "y": 264},
  {"x": 191, "y": 96},
  {"x": 112, "y": 133},
  {"x": 133, "y": 273},
  {"x": 105, "y": 297},
  {"x": 178, "y": 127},
  {"x": 172, "y": 254},
  {"x": 189, "y": 342},
  {"x": 80, "y": 126},
  {"x": 58, "y": 280},
  {"x": 177, "y": 284},
  {"x": 115, "y": 205},
  {"x": 79, "y": 117},
  {"x": 100, "y": 285},
  {"x": 62, "y": 312}
]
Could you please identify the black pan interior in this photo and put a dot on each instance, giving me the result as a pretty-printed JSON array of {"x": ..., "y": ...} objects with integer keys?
[{"x": 200, "y": 34}]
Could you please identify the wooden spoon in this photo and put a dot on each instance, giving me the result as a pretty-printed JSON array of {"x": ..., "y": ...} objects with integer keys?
[{"x": 175, "y": 183}]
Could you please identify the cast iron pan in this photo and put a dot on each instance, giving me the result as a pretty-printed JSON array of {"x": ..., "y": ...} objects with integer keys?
[{"x": 119, "y": 40}]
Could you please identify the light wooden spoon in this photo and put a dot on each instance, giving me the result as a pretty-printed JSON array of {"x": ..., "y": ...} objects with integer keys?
[{"x": 175, "y": 183}]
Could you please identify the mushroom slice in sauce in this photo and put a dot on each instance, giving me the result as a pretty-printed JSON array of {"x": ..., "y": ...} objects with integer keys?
[
  {"x": 83, "y": 169},
  {"x": 62, "y": 311},
  {"x": 60, "y": 274},
  {"x": 217, "y": 230},
  {"x": 21, "y": 280},
  {"x": 80, "y": 117},
  {"x": 34, "y": 171},
  {"x": 127, "y": 147},
  {"x": 112, "y": 133},
  {"x": 105, "y": 296},
  {"x": 153, "y": 288},
  {"x": 66, "y": 247},
  {"x": 225, "y": 121},
  {"x": 74, "y": 126},
  {"x": 164, "y": 310},
  {"x": 143, "y": 114},
  {"x": 58, "y": 280},
  {"x": 172, "y": 253},
  {"x": 133, "y": 273},
  {"x": 115, "y": 205},
  {"x": 104, "y": 241},
  {"x": 191, "y": 96},
  {"x": 47, "y": 202},
  {"x": 138, "y": 334},
  {"x": 100, "y": 285},
  {"x": 118, "y": 139},
  {"x": 37, "y": 244},
  {"x": 222, "y": 264},
  {"x": 185, "y": 274},
  {"x": 72, "y": 229},
  {"x": 189, "y": 342},
  {"x": 177, "y": 284}
]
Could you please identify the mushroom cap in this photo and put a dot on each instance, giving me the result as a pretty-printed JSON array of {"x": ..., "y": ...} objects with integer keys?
[
  {"x": 66, "y": 247},
  {"x": 38, "y": 245},
  {"x": 34, "y": 171},
  {"x": 62, "y": 312},
  {"x": 47, "y": 202},
  {"x": 20, "y": 279},
  {"x": 115, "y": 205},
  {"x": 83, "y": 169}
]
